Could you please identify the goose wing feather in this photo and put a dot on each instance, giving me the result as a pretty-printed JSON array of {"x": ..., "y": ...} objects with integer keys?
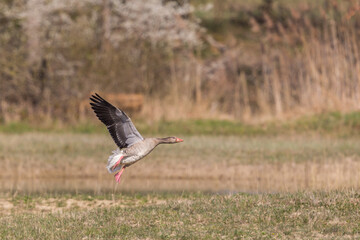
[{"x": 120, "y": 126}]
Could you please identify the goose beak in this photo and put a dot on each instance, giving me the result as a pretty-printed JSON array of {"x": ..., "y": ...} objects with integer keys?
[{"x": 179, "y": 140}]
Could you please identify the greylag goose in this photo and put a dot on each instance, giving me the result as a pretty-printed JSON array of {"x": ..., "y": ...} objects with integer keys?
[{"x": 131, "y": 145}]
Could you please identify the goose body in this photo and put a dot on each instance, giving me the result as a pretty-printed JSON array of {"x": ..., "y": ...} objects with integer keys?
[{"x": 131, "y": 145}]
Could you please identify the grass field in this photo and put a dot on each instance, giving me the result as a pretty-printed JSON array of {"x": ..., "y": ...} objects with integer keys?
[
  {"x": 332, "y": 215},
  {"x": 333, "y": 123},
  {"x": 76, "y": 162},
  {"x": 299, "y": 182}
]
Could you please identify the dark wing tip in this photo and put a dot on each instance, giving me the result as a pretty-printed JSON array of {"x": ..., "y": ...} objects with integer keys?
[
  {"x": 93, "y": 95},
  {"x": 96, "y": 98}
]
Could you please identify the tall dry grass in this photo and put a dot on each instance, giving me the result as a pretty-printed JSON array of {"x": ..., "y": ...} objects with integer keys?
[
  {"x": 300, "y": 66},
  {"x": 322, "y": 75}
]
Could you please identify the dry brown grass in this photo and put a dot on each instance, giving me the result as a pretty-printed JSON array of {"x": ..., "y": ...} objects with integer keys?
[
  {"x": 299, "y": 67},
  {"x": 323, "y": 75},
  {"x": 65, "y": 203},
  {"x": 37, "y": 162}
]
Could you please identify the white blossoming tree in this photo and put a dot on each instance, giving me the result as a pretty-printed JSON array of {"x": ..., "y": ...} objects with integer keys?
[{"x": 66, "y": 48}]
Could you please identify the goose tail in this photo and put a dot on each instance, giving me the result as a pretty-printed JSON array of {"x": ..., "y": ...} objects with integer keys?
[{"x": 113, "y": 160}]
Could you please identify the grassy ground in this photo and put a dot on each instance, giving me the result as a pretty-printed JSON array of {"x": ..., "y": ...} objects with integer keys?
[
  {"x": 333, "y": 215},
  {"x": 301, "y": 180},
  {"x": 211, "y": 163}
]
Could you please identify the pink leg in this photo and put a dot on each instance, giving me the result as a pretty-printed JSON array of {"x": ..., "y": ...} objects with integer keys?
[
  {"x": 117, "y": 163},
  {"x": 118, "y": 175}
]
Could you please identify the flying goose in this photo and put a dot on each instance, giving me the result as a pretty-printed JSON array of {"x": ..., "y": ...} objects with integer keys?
[{"x": 131, "y": 145}]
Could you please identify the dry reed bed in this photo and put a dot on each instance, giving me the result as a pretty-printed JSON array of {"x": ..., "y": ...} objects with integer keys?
[{"x": 298, "y": 68}]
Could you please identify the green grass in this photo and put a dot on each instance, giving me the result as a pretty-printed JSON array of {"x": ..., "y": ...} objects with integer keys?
[
  {"x": 333, "y": 123},
  {"x": 333, "y": 215}
]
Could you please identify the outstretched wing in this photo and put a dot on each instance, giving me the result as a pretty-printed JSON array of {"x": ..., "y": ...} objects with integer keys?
[{"x": 121, "y": 129}]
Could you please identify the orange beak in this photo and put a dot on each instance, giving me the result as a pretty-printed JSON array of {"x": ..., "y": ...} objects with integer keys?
[{"x": 179, "y": 140}]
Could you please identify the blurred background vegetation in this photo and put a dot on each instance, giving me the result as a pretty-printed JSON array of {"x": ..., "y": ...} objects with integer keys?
[
  {"x": 252, "y": 61},
  {"x": 265, "y": 94}
]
